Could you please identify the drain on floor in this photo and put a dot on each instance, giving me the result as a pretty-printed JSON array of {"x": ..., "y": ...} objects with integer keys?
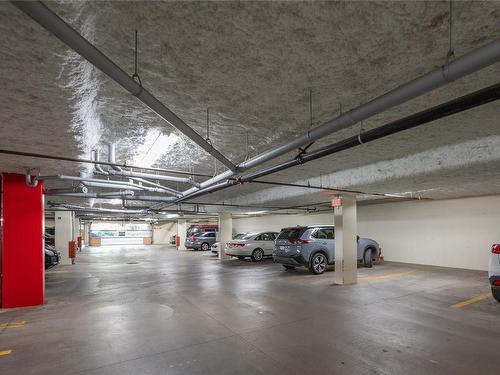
[{"x": 132, "y": 262}]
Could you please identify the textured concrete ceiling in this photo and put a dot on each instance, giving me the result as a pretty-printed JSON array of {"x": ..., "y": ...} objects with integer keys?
[{"x": 252, "y": 64}]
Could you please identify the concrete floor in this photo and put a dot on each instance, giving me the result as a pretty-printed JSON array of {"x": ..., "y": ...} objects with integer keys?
[{"x": 154, "y": 310}]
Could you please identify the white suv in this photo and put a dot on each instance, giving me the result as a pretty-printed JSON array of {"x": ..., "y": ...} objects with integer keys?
[{"x": 494, "y": 271}]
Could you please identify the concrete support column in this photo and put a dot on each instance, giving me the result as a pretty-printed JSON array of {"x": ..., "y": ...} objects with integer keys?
[
  {"x": 76, "y": 228},
  {"x": 86, "y": 234},
  {"x": 64, "y": 233},
  {"x": 225, "y": 232},
  {"x": 346, "y": 261},
  {"x": 181, "y": 232}
]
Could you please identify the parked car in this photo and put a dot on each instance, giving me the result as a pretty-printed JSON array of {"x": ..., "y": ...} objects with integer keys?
[
  {"x": 49, "y": 239},
  {"x": 494, "y": 271},
  {"x": 201, "y": 241},
  {"x": 173, "y": 239},
  {"x": 215, "y": 247},
  {"x": 253, "y": 245},
  {"x": 314, "y": 247},
  {"x": 52, "y": 256},
  {"x": 201, "y": 228}
]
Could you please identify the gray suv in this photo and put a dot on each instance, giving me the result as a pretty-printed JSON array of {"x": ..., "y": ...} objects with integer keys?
[
  {"x": 201, "y": 241},
  {"x": 314, "y": 247}
]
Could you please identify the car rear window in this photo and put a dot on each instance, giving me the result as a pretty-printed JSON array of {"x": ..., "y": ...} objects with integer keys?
[{"x": 291, "y": 233}]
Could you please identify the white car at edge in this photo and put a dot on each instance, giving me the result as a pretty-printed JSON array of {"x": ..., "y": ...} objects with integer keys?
[
  {"x": 254, "y": 245},
  {"x": 494, "y": 271},
  {"x": 215, "y": 247}
]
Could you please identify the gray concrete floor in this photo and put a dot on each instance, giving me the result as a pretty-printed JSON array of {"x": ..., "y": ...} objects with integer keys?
[{"x": 154, "y": 310}]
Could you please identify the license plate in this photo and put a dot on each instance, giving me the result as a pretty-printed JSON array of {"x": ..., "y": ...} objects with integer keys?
[{"x": 284, "y": 248}]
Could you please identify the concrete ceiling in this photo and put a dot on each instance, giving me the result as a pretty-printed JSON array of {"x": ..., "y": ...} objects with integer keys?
[{"x": 253, "y": 64}]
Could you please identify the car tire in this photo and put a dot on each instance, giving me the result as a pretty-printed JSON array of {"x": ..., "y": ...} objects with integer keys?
[
  {"x": 257, "y": 255},
  {"x": 496, "y": 293},
  {"x": 241, "y": 257},
  {"x": 204, "y": 246},
  {"x": 318, "y": 264},
  {"x": 367, "y": 258},
  {"x": 288, "y": 267}
]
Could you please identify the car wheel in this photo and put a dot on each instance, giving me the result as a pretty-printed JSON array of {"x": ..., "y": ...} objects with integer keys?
[
  {"x": 367, "y": 258},
  {"x": 288, "y": 267},
  {"x": 496, "y": 293},
  {"x": 241, "y": 258},
  {"x": 257, "y": 255},
  {"x": 205, "y": 246},
  {"x": 318, "y": 263}
]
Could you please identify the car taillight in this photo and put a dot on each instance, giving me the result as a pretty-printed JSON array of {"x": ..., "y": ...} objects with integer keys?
[
  {"x": 236, "y": 244},
  {"x": 299, "y": 241},
  {"x": 495, "y": 249},
  {"x": 496, "y": 283}
]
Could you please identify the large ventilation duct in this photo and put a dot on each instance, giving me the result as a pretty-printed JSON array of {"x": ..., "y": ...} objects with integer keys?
[{"x": 51, "y": 22}]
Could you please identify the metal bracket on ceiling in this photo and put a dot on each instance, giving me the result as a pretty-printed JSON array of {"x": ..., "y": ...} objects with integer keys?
[{"x": 32, "y": 175}]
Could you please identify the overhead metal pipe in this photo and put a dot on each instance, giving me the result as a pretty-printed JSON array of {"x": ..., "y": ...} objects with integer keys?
[
  {"x": 97, "y": 167},
  {"x": 167, "y": 190},
  {"x": 472, "y": 100},
  {"x": 99, "y": 162},
  {"x": 111, "y": 195},
  {"x": 54, "y": 24},
  {"x": 96, "y": 182},
  {"x": 110, "y": 186},
  {"x": 458, "y": 68},
  {"x": 185, "y": 180},
  {"x": 72, "y": 207},
  {"x": 475, "y": 99}
]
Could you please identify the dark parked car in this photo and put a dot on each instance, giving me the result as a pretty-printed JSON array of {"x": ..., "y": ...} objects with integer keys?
[
  {"x": 52, "y": 256},
  {"x": 494, "y": 271}
]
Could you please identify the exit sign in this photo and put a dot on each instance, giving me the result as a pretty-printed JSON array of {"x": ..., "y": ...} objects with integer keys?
[{"x": 337, "y": 202}]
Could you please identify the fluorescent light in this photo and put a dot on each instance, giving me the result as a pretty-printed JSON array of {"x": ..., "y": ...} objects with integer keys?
[{"x": 256, "y": 212}]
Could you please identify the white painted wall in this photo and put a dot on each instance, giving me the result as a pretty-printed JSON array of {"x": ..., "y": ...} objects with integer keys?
[
  {"x": 163, "y": 232},
  {"x": 449, "y": 233}
]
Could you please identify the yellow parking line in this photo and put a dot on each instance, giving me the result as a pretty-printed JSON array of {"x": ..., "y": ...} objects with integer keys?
[
  {"x": 12, "y": 325},
  {"x": 5, "y": 352},
  {"x": 475, "y": 299},
  {"x": 387, "y": 277}
]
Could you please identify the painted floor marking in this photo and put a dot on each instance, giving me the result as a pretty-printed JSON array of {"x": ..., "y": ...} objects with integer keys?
[
  {"x": 5, "y": 352},
  {"x": 479, "y": 297},
  {"x": 388, "y": 276},
  {"x": 12, "y": 325}
]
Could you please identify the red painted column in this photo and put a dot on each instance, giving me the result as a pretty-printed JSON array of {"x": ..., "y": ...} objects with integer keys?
[{"x": 23, "y": 271}]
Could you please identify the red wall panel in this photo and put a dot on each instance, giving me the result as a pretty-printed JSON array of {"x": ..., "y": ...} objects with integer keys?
[{"x": 23, "y": 271}]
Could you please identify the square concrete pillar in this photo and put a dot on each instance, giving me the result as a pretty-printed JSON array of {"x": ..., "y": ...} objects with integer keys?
[
  {"x": 63, "y": 234},
  {"x": 86, "y": 234},
  {"x": 346, "y": 260},
  {"x": 76, "y": 228},
  {"x": 181, "y": 232},
  {"x": 225, "y": 232}
]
